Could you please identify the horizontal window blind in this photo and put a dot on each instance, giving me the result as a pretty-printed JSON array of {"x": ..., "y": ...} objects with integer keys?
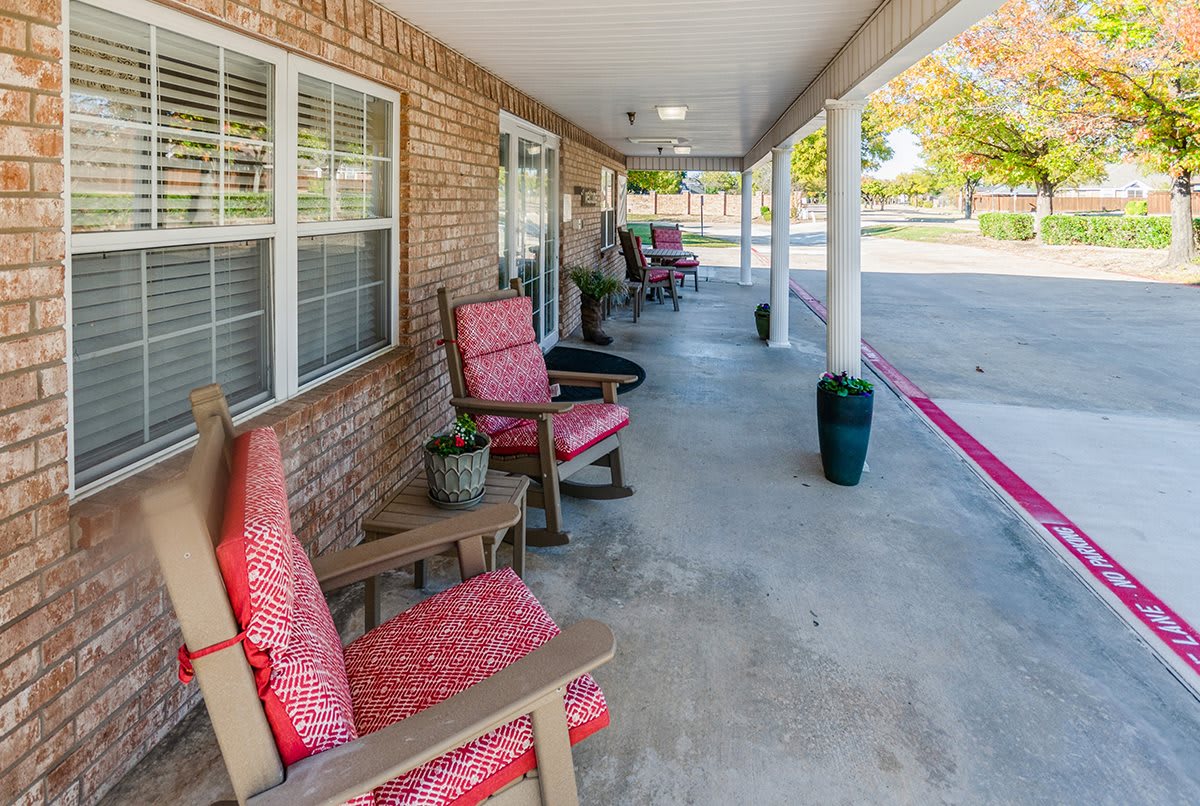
[
  {"x": 167, "y": 130},
  {"x": 343, "y": 290},
  {"x": 150, "y": 326}
]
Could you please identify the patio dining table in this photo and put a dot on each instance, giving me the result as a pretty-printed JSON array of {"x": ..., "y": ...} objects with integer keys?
[{"x": 667, "y": 257}]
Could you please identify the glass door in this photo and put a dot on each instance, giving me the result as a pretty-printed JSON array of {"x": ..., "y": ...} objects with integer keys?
[{"x": 528, "y": 220}]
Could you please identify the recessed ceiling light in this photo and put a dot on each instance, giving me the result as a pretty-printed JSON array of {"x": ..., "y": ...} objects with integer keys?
[
  {"x": 683, "y": 149},
  {"x": 671, "y": 112}
]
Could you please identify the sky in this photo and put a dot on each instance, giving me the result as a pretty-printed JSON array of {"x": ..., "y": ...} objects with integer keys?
[{"x": 906, "y": 158}]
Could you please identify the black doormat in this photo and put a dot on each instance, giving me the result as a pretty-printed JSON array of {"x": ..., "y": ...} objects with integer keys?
[{"x": 572, "y": 359}]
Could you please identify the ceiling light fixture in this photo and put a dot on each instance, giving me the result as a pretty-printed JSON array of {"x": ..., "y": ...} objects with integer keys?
[
  {"x": 683, "y": 149},
  {"x": 671, "y": 112}
]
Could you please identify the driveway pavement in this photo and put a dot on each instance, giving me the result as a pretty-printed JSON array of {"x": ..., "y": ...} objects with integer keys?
[{"x": 1083, "y": 382}]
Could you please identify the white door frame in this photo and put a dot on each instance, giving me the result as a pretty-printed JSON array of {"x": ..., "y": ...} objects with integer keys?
[{"x": 517, "y": 129}]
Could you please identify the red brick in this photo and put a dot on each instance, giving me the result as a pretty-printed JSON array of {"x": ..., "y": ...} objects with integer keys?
[
  {"x": 32, "y": 490},
  {"x": 50, "y": 313},
  {"x": 48, "y": 177},
  {"x": 14, "y": 176},
  {"x": 25, "y": 212},
  {"x": 15, "y": 249},
  {"x": 45, "y": 41},
  {"x": 44, "y": 755},
  {"x": 33, "y": 350},
  {"x": 48, "y": 11},
  {"x": 48, "y": 110},
  {"x": 26, "y": 558},
  {"x": 84, "y": 625},
  {"x": 52, "y": 381},
  {"x": 15, "y": 107},
  {"x": 17, "y": 462},
  {"x": 15, "y": 532},
  {"x": 51, "y": 449},
  {"x": 18, "y": 636},
  {"x": 27, "y": 701},
  {"x": 34, "y": 281},
  {"x": 24, "y": 71},
  {"x": 14, "y": 319},
  {"x": 12, "y": 33},
  {"x": 35, "y": 421}
]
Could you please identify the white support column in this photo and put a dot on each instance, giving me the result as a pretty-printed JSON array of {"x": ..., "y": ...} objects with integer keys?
[
  {"x": 747, "y": 229},
  {"x": 781, "y": 214},
  {"x": 843, "y": 278}
]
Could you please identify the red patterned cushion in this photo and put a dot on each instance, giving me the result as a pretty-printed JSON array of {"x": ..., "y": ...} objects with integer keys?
[
  {"x": 574, "y": 431},
  {"x": 485, "y": 327},
  {"x": 290, "y": 639},
  {"x": 515, "y": 375},
  {"x": 666, "y": 237},
  {"x": 442, "y": 646},
  {"x": 660, "y": 275},
  {"x": 687, "y": 263}
]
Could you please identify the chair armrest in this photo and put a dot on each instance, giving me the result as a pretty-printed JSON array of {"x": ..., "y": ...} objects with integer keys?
[
  {"x": 345, "y": 567},
  {"x": 336, "y": 775},
  {"x": 526, "y": 411},
  {"x": 588, "y": 378}
]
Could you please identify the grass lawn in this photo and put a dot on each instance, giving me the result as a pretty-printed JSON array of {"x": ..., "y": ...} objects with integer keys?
[
  {"x": 926, "y": 233},
  {"x": 689, "y": 238}
]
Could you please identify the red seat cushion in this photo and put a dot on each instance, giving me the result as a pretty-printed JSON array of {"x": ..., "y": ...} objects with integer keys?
[
  {"x": 574, "y": 431},
  {"x": 291, "y": 641},
  {"x": 501, "y": 357},
  {"x": 660, "y": 275},
  {"x": 442, "y": 646},
  {"x": 686, "y": 263}
]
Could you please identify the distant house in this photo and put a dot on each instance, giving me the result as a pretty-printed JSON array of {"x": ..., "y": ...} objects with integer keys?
[{"x": 1124, "y": 180}]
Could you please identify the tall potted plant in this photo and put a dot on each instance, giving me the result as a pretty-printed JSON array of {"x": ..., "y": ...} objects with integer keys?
[
  {"x": 844, "y": 407},
  {"x": 594, "y": 287},
  {"x": 456, "y": 465},
  {"x": 762, "y": 320}
]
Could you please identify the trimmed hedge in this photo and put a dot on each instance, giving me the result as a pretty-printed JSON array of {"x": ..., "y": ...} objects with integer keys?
[
  {"x": 1137, "y": 207},
  {"x": 1006, "y": 226},
  {"x": 1133, "y": 232}
]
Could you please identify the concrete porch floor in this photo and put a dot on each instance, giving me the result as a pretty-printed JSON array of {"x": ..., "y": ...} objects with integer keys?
[{"x": 784, "y": 640}]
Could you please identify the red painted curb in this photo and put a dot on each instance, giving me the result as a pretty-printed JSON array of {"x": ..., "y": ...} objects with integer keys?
[{"x": 1163, "y": 622}]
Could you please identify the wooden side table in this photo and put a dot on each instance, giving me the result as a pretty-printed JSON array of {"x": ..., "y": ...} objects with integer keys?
[{"x": 411, "y": 508}]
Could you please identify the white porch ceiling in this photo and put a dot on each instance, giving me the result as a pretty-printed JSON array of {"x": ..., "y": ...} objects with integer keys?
[{"x": 737, "y": 64}]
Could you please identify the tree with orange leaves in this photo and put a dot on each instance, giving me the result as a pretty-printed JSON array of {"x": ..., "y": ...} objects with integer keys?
[
  {"x": 988, "y": 104},
  {"x": 1136, "y": 64}
]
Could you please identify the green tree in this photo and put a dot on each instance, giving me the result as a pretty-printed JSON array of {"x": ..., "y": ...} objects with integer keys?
[
  {"x": 991, "y": 100},
  {"x": 1136, "y": 64},
  {"x": 809, "y": 156},
  {"x": 878, "y": 191},
  {"x": 720, "y": 181},
  {"x": 654, "y": 181}
]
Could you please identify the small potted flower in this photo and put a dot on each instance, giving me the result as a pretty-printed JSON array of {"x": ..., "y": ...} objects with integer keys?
[
  {"x": 762, "y": 320},
  {"x": 456, "y": 465},
  {"x": 844, "y": 426}
]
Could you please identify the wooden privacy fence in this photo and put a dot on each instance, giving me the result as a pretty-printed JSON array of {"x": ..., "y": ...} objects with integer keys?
[{"x": 1158, "y": 202}]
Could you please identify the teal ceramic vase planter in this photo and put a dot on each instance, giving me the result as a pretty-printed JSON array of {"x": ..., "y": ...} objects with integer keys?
[
  {"x": 762, "y": 321},
  {"x": 843, "y": 429}
]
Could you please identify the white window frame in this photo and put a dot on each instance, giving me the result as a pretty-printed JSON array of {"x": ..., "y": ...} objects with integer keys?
[
  {"x": 610, "y": 175},
  {"x": 283, "y": 232}
]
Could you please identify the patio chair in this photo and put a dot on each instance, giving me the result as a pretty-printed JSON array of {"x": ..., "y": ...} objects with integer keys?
[
  {"x": 670, "y": 236},
  {"x": 472, "y": 693},
  {"x": 498, "y": 374},
  {"x": 641, "y": 278}
]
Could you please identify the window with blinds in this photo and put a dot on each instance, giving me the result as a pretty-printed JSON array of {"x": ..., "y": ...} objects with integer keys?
[
  {"x": 193, "y": 260},
  {"x": 166, "y": 130},
  {"x": 608, "y": 208},
  {"x": 343, "y": 161}
]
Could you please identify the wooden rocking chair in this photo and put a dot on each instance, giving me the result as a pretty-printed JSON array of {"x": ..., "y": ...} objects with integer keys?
[
  {"x": 498, "y": 374},
  {"x": 409, "y": 707}
]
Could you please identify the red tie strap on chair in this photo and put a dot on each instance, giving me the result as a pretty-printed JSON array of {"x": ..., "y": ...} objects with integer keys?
[{"x": 185, "y": 656}]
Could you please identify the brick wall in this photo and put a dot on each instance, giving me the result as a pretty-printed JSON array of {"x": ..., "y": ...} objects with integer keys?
[
  {"x": 579, "y": 167},
  {"x": 87, "y": 636}
]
